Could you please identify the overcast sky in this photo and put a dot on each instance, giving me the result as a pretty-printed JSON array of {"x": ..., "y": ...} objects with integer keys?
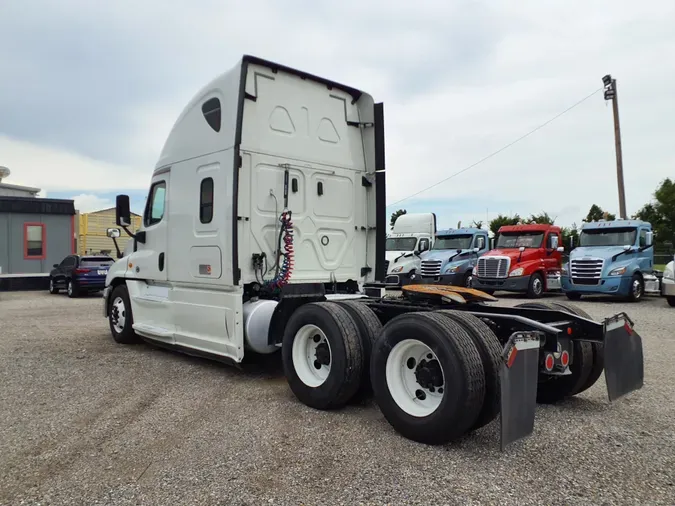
[{"x": 89, "y": 91}]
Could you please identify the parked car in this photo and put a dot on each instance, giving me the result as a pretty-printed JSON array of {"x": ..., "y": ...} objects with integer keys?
[{"x": 77, "y": 274}]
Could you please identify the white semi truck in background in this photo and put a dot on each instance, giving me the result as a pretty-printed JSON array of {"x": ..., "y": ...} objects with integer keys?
[
  {"x": 264, "y": 230},
  {"x": 411, "y": 235}
]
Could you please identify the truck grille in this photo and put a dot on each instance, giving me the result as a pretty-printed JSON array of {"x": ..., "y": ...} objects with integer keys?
[
  {"x": 586, "y": 271},
  {"x": 493, "y": 267},
  {"x": 431, "y": 268}
]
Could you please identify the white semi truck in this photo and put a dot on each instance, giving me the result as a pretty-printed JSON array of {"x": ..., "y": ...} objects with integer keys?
[
  {"x": 411, "y": 235},
  {"x": 265, "y": 228}
]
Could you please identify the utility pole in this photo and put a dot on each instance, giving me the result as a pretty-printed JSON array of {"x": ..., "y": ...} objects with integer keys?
[{"x": 611, "y": 94}]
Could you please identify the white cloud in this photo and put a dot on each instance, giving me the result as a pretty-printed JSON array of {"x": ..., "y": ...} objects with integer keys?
[
  {"x": 459, "y": 80},
  {"x": 86, "y": 203}
]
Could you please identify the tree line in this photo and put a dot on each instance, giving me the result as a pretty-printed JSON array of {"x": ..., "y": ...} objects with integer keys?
[{"x": 660, "y": 212}]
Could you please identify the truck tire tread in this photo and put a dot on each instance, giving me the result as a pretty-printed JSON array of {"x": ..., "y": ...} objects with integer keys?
[
  {"x": 369, "y": 327},
  {"x": 462, "y": 369},
  {"x": 347, "y": 358},
  {"x": 490, "y": 350}
]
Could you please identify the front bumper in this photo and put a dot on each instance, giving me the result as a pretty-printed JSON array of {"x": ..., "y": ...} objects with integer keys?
[
  {"x": 513, "y": 284},
  {"x": 667, "y": 287},
  {"x": 619, "y": 285},
  {"x": 454, "y": 278}
]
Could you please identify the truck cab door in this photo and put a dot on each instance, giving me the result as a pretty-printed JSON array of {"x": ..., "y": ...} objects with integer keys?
[{"x": 149, "y": 259}]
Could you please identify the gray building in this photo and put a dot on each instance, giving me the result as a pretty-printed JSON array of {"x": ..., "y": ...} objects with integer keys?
[{"x": 35, "y": 233}]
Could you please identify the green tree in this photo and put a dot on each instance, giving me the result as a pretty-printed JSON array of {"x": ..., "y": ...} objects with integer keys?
[
  {"x": 596, "y": 213},
  {"x": 570, "y": 236},
  {"x": 395, "y": 215},
  {"x": 541, "y": 219},
  {"x": 661, "y": 213},
  {"x": 501, "y": 220}
]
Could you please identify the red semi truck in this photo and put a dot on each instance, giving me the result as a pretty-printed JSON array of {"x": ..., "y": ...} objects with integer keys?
[{"x": 526, "y": 258}]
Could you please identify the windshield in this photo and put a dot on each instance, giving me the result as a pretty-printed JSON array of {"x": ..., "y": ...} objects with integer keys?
[
  {"x": 96, "y": 261},
  {"x": 608, "y": 237},
  {"x": 452, "y": 242},
  {"x": 401, "y": 243},
  {"x": 518, "y": 239}
]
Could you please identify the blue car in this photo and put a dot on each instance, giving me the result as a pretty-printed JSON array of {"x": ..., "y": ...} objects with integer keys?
[{"x": 80, "y": 274}]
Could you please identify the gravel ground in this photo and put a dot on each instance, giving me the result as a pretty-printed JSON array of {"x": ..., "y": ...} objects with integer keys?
[{"x": 86, "y": 421}]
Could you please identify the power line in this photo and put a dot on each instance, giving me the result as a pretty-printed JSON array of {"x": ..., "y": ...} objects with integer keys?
[{"x": 499, "y": 150}]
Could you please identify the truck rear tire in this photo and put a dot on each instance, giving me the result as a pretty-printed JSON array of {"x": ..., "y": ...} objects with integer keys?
[
  {"x": 598, "y": 350},
  {"x": 671, "y": 301},
  {"x": 121, "y": 317},
  {"x": 552, "y": 389},
  {"x": 322, "y": 355},
  {"x": 369, "y": 327},
  {"x": 490, "y": 350},
  {"x": 535, "y": 289},
  {"x": 431, "y": 386}
]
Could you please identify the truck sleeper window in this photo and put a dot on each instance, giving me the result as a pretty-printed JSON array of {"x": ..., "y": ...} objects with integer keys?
[
  {"x": 518, "y": 239},
  {"x": 453, "y": 242},
  {"x": 206, "y": 200},
  {"x": 155, "y": 210},
  {"x": 608, "y": 237},
  {"x": 401, "y": 243}
]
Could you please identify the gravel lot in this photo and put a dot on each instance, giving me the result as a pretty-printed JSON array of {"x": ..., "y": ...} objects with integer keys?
[{"x": 86, "y": 421}]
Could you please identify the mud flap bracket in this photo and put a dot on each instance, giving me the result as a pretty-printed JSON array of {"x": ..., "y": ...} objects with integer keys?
[
  {"x": 519, "y": 375},
  {"x": 624, "y": 359}
]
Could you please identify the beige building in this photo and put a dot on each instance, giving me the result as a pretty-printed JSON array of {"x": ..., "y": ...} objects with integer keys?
[{"x": 92, "y": 237}]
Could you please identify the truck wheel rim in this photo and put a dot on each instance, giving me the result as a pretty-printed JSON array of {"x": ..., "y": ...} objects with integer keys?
[
  {"x": 415, "y": 378},
  {"x": 637, "y": 291},
  {"x": 118, "y": 315},
  {"x": 469, "y": 278},
  {"x": 537, "y": 286},
  {"x": 311, "y": 355}
]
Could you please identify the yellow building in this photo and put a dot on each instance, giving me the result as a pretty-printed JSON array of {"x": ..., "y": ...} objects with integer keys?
[{"x": 91, "y": 236}]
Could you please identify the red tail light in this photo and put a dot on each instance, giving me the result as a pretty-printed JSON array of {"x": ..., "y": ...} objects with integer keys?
[
  {"x": 81, "y": 271},
  {"x": 549, "y": 362},
  {"x": 564, "y": 358}
]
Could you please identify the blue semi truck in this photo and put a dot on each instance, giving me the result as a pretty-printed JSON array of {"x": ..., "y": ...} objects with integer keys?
[
  {"x": 613, "y": 258},
  {"x": 453, "y": 256}
]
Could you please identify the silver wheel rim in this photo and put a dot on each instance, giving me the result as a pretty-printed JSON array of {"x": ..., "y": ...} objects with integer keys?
[
  {"x": 636, "y": 289},
  {"x": 51, "y": 285},
  {"x": 311, "y": 355},
  {"x": 118, "y": 315},
  {"x": 537, "y": 286},
  {"x": 410, "y": 390},
  {"x": 70, "y": 287},
  {"x": 468, "y": 281}
]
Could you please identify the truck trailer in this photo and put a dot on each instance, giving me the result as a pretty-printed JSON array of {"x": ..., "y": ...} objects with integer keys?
[{"x": 264, "y": 232}]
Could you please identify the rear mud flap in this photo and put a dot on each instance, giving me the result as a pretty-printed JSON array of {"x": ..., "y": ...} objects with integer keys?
[
  {"x": 519, "y": 376},
  {"x": 624, "y": 359}
]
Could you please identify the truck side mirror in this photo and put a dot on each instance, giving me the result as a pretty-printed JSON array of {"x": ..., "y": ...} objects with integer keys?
[
  {"x": 521, "y": 249},
  {"x": 649, "y": 238},
  {"x": 560, "y": 249},
  {"x": 554, "y": 242},
  {"x": 122, "y": 211},
  {"x": 113, "y": 233},
  {"x": 476, "y": 250}
]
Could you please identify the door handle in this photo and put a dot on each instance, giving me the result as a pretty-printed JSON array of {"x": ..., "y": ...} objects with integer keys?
[{"x": 161, "y": 261}]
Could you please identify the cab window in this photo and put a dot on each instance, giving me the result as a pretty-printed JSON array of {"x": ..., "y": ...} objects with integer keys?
[
  {"x": 154, "y": 210},
  {"x": 643, "y": 237}
]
